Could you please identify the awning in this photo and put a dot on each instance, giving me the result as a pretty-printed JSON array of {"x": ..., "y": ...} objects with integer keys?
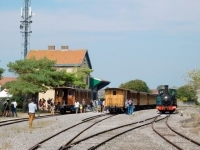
[{"x": 98, "y": 83}]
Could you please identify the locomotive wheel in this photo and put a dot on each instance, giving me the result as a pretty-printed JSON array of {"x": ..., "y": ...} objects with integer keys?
[{"x": 171, "y": 111}]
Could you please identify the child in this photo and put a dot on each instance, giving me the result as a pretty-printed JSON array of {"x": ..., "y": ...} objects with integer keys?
[
  {"x": 52, "y": 108},
  {"x": 81, "y": 108}
]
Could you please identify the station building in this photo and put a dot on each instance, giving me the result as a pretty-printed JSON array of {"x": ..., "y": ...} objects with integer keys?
[{"x": 69, "y": 59}]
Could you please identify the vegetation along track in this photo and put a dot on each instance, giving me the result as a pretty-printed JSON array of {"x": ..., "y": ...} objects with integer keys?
[
  {"x": 83, "y": 121},
  {"x": 13, "y": 121},
  {"x": 167, "y": 133},
  {"x": 142, "y": 123}
]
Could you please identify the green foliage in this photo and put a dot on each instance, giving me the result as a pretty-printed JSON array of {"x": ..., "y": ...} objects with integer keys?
[
  {"x": 186, "y": 93},
  {"x": 81, "y": 75},
  {"x": 137, "y": 85},
  {"x": 1, "y": 72},
  {"x": 36, "y": 76},
  {"x": 160, "y": 87},
  {"x": 193, "y": 77}
]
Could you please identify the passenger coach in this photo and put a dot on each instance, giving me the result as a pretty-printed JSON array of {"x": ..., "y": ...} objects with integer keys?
[
  {"x": 115, "y": 99},
  {"x": 65, "y": 98}
]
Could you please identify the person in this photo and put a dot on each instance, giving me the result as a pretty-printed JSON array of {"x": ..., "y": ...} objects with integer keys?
[
  {"x": 14, "y": 108},
  {"x": 40, "y": 104},
  {"x": 99, "y": 104},
  {"x": 126, "y": 106},
  {"x": 130, "y": 107},
  {"x": 91, "y": 105},
  {"x": 103, "y": 106},
  {"x": 6, "y": 109},
  {"x": 44, "y": 104},
  {"x": 52, "y": 108},
  {"x": 84, "y": 105},
  {"x": 95, "y": 105},
  {"x": 31, "y": 112},
  {"x": 133, "y": 107},
  {"x": 48, "y": 104},
  {"x": 81, "y": 108},
  {"x": 76, "y": 106},
  {"x": 58, "y": 106}
]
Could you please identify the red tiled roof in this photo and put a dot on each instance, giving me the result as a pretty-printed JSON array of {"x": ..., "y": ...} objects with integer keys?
[
  {"x": 7, "y": 79},
  {"x": 154, "y": 91},
  {"x": 61, "y": 56}
]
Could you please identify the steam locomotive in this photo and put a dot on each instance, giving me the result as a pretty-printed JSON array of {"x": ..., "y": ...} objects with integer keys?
[{"x": 166, "y": 100}]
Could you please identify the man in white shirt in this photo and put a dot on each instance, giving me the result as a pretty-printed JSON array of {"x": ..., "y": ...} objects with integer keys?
[
  {"x": 32, "y": 108},
  {"x": 14, "y": 108}
]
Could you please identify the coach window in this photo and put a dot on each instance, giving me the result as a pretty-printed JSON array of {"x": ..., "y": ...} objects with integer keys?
[
  {"x": 114, "y": 92},
  {"x": 70, "y": 92}
]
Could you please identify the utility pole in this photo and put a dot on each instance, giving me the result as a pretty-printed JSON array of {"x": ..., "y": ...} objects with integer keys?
[{"x": 25, "y": 26}]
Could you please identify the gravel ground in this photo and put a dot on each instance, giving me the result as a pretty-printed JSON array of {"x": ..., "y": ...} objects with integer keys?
[{"x": 21, "y": 137}]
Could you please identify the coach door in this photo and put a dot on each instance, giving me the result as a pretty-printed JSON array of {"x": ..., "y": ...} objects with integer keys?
[
  {"x": 128, "y": 94},
  {"x": 148, "y": 97},
  {"x": 138, "y": 98},
  {"x": 70, "y": 97}
]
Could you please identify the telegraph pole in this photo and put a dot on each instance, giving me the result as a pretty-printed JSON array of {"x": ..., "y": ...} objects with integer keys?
[{"x": 25, "y": 26}]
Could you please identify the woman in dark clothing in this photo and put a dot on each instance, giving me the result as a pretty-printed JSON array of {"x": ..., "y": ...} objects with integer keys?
[{"x": 6, "y": 109}]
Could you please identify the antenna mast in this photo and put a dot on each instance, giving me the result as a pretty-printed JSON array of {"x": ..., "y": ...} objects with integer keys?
[{"x": 26, "y": 14}]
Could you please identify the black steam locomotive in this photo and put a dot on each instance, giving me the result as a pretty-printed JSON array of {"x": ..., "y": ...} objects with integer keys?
[{"x": 166, "y": 100}]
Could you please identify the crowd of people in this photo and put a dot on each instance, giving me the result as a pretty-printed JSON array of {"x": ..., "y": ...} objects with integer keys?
[
  {"x": 94, "y": 106},
  {"x": 7, "y": 107},
  {"x": 47, "y": 105}
]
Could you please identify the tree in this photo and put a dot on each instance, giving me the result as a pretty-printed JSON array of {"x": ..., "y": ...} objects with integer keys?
[
  {"x": 193, "y": 78},
  {"x": 81, "y": 74},
  {"x": 137, "y": 85},
  {"x": 36, "y": 76},
  {"x": 186, "y": 93},
  {"x": 1, "y": 72},
  {"x": 160, "y": 87}
]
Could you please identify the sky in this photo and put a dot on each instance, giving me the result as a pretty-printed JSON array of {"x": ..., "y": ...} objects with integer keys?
[{"x": 151, "y": 40}]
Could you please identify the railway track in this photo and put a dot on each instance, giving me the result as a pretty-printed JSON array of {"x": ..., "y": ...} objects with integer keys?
[
  {"x": 177, "y": 139},
  {"x": 13, "y": 121},
  {"x": 129, "y": 127},
  {"x": 36, "y": 146}
]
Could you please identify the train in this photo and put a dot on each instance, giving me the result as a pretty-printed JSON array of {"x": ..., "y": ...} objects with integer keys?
[
  {"x": 115, "y": 99},
  {"x": 65, "y": 98},
  {"x": 166, "y": 101}
]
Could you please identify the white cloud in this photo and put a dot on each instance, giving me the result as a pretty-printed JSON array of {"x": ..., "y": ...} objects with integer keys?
[{"x": 117, "y": 16}]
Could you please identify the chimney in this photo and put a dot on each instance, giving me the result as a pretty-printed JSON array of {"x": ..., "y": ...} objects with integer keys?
[
  {"x": 51, "y": 47},
  {"x": 166, "y": 89},
  {"x": 64, "y": 47}
]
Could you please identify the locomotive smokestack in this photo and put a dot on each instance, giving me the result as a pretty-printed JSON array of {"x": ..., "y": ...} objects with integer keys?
[{"x": 166, "y": 89}]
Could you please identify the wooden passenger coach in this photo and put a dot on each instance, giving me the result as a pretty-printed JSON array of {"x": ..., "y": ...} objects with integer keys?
[
  {"x": 115, "y": 99},
  {"x": 65, "y": 97}
]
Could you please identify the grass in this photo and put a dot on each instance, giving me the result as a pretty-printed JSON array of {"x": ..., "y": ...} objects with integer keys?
[{"x": 193, "y": 124}]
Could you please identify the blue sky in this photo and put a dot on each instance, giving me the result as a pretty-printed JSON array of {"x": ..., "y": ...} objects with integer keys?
[{"x": 154, "y": 41}]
